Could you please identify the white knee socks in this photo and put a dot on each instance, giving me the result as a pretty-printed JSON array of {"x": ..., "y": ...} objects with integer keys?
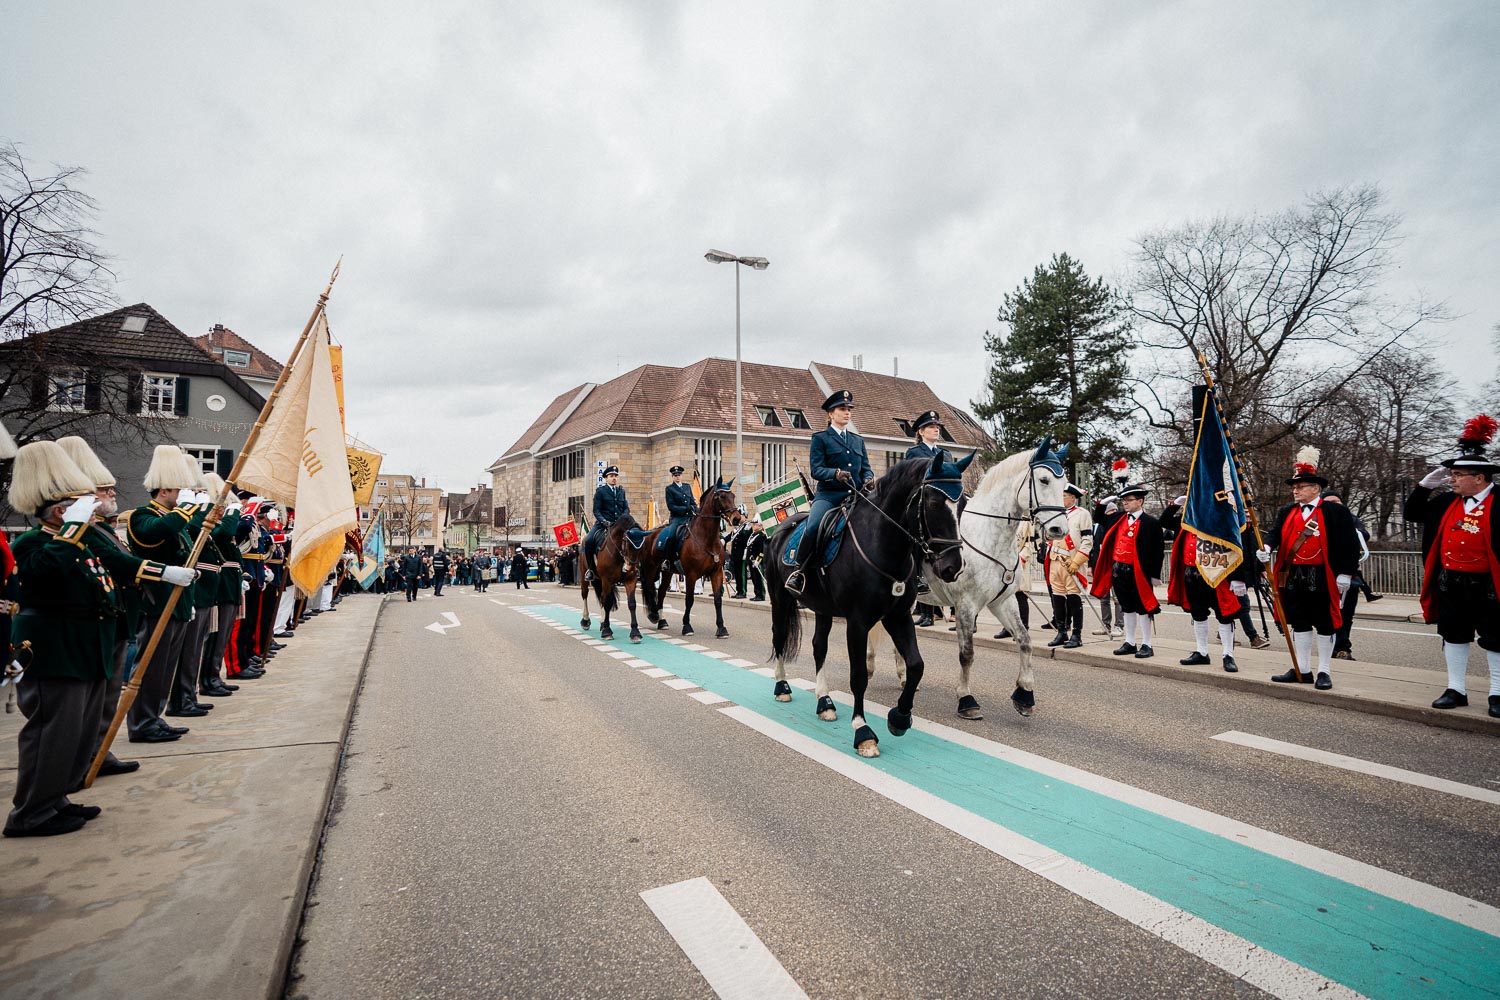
[
  {"x": 1494, "y": 658},
  {"x": 1200, "y": 636},
  {"x": 1226, "y": 637},
  {"x": 1457, "y": 657},
  {"x": 1143, "y": 627},
  {"x": 1129, "y": 627},
  {"x": 1325, "y": 652},
  {"x": 1302, "y": 642}
]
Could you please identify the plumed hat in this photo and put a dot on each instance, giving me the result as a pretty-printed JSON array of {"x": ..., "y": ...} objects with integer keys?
[
  {"x": 928, "y": 419},
  {"x": 1119, "y": 470},
  {"x": 1476, "y": 435},
  {"x": 88, "y": 463},
  {"x": 1305, "y": 469},
  {"x": 194, "y": 473},
  {"x": 7, "y": 444},
  {"x": 167, "y": 470},
  {"x": 1138, "y": 490},
  {"x": 44, "y": 474},
  {"x": 215, "y": 484},
  {"x": 841, "y": 398}
]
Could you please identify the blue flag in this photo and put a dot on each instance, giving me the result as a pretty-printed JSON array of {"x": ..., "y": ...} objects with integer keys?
[
  {"x": 1215, "y": 510},
  {"x": 374, "y": 553}
]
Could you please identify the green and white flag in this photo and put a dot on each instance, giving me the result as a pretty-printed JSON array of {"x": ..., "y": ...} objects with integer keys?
[{"x": 779, "y": 502}]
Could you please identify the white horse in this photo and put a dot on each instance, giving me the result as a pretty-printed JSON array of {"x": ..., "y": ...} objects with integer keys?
[{"x": 1026, "y": 487}]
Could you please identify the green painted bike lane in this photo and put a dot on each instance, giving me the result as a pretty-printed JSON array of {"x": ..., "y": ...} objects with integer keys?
[{"x": 1368, "y": 942}]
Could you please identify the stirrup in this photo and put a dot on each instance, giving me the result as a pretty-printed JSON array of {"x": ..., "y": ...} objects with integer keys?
[{"x": 796, "y": 582}]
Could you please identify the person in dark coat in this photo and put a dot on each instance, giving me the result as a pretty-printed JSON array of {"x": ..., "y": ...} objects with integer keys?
[
  {"x": 755, "y": 559},
  {"x": 411, "y": 572},
  {"x": 928, "y": 428},
  {"x": 1461, "y": 559},
  {"x": 610, "y": 504},
  {"x": 840, "y": 465},
  {"x": 1317, "y": 555},
  {"x": 681, "y": 509},
  {"x": 1129, "y": 563},
  {"x": 439, "y": 571},
  {"x": 739, "y": 539},
  {"x": 518, "y": 569},
  {"x": 1189, "y": 589}
]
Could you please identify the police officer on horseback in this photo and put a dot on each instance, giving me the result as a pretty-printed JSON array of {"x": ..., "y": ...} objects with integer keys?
[
  {"x": 928, "y": 429},
  {"x": 682, "y": 508},
  {"x": 610, "y": 505},
  {"x": 840, "y": 464}
]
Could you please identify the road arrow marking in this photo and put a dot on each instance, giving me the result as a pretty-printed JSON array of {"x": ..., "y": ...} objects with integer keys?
[{"x": 442, "y": 629}]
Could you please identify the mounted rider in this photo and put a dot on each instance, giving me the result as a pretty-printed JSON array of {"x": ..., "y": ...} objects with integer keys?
[
  {"x": 839, "y": 464},
  {"x": 682, "y": 507},
  {"x": 928, "y": 429},
  {"x": 610, "y": 504}
]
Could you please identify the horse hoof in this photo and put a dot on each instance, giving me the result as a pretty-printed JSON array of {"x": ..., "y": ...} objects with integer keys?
[
  {"x": 722, "y": 633},
  {"x": 968, "y": 708},
  {"x": 606, "y": 633},
  {"x": 865, "y": 743},
  {"x": 635, "y": 637},
  {"x": 868, "y": 749},
  {"x": 826, "y": 709},
  {"x": 662, "y": 623},
  {"x": 898, "y": 721},
  {"x": 584, "y": 624},
  {"x": 783, "y": 691},
  {"x": 1025, "y": 701}
]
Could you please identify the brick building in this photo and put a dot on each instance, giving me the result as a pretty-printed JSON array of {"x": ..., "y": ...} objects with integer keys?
[
  {"x": 413, "y": 511},
  {"x": 656, "y": 416}
]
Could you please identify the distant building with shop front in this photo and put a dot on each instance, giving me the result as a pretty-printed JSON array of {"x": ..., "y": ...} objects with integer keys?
[{"x": 656, "y": 416}]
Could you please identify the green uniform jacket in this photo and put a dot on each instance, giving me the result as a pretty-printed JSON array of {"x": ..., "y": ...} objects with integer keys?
[
  {"x": 128, "y": 572},
  {"x": 206, "y": 588},
  {"x": 69, "y": 608},
  {"x": 160, "y": 534},
  {"x": 229, "y": 552}
]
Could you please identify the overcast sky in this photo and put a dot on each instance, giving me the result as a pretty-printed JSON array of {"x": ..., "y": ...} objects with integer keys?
[{"x": 523, "y": 193}]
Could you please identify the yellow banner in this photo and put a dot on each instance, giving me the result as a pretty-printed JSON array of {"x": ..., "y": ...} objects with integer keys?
[
  {"x": 364, "y": 466},
  {"x": 336, "y": 358}
]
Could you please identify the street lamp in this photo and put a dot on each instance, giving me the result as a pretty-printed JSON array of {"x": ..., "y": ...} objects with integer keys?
[{"x": 760, "y": 264}]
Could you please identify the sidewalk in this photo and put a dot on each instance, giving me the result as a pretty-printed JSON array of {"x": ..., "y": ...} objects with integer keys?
[
  {"x": 1359, "y": 685},
  {"x": 191, "y": 883}
]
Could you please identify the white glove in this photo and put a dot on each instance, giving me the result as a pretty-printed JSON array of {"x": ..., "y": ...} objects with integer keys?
[
  {"x": 1238, "y": 588},
  {"x": 1264, "y": 554},
  {"x": 179, "y": 576},
  {"x": 233, "y": 507},
  {"x": 1180, "y": 501},
  {"x": 81, "y": 511},
  {"x": 1343, "y": 580},
  {"x": 1437, "y": 477},
  {"x": 269, "y": 577},
  {"x": 244, "y": 586},
  {"x": 188, "y": 498}
]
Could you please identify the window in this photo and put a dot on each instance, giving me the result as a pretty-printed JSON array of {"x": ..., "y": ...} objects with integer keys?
[
  {"x": 160, "y": 396},
  {"x": 708, "y": 454},
  {"x": 799, "y": 420},
  {"x": 575, "y": 464},
  {"x": 237, "y": 359},
  {"x": 575, "y": 506},
  {"x": 560, "y": 469},
  {"x": 206, "y": 455},
  {"x": 894, "y": 458},
  {"x": 772, "y": 463},
  {"x": 380, "y": 482},
  {"x": 768, "y": 417},
  {"x": 68, "y": 391}
]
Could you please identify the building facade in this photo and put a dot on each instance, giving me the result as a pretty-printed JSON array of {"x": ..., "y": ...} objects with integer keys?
[
  {"x": 654, "y": 417},
  {"x": 413, "y": 511},
  {"x": 259, "y": 370}
]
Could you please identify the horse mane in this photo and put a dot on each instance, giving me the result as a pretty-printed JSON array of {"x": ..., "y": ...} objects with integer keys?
[
  {"x": 905, "y": 475},
  {"x": 1002, "y": 471}
]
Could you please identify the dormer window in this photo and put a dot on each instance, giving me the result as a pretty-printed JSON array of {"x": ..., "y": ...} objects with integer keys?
[
  {"x": 768, "y": 417},
  {"x": 133, "y": 324},
  {"x": 237, "y": 359},
  {"x": 799, "y": 420}
]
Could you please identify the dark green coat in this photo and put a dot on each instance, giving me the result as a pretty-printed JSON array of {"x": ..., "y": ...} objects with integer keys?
[
  {"x": 229, "y": 552},
  {"x": 69, "y": 607},
  {"x": 158, "y": 533},
  {"x": 129, "y": 573}
]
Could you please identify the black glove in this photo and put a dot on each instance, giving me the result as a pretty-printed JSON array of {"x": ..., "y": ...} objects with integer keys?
[
  {"x": 845, "y": 476},
  {"x": 867, "y": 485}
]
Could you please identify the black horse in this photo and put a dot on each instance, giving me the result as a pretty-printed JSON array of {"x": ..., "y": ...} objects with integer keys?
[{"x": 907, "y": 517}]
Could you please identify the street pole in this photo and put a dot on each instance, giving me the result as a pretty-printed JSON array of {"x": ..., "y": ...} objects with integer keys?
[{"x": 739, "y": 404}]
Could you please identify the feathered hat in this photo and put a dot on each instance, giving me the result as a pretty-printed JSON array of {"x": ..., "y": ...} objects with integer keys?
[
  {"x": 1305, "y": 469},
  {"x": 1119, "y": 470},
  {"x": 194, "y": 473},
  {"x": 1477, "y": 433},
  {"x": 7, "y": 444},
  {"x": 215, "y": 484},
  {"x": 168, "y": 471},
  {"x": 83, "y": 456},
  {"x": 44, "y": 474}
]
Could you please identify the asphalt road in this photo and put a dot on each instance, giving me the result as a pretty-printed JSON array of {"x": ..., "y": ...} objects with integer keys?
[{"x": 509, "y": 792}]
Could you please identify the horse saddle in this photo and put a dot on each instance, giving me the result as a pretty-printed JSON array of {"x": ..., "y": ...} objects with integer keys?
[
  {"x": 832, "y": 535},
  {"x": 667, "y": 536}
]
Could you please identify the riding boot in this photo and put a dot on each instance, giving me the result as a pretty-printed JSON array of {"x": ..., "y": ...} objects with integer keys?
[
  {"x": 1075, "y": 614},
  {"x": 1059, "y": 620}
]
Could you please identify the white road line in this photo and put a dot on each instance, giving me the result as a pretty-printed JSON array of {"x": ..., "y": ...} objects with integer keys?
[
  {"x": 803, "y": 683},
  {"x": 714, "y": 653},
  {"x": 740, "y": 663},
  {"x": 764, "y": 671},
  {"x": 621, "y": 654},
  {"x": 679, "y": 683},
  {"x": 1461, "y": 909},
  {"x": 595, "y": 643},
  {"x": 1359, "y": 766},
  {"x": 708, "y": 698},
  {"x": 637, "y": 663},
  {"x": 1230, "y": 952},
  {"x": 695, "y": 647},
  {"x": 674, "y": 641},
  {"x": 658, "y": 672},
  {"x": 736, "y": 963}
]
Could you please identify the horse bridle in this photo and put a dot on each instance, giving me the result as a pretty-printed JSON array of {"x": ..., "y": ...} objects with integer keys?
[
  {"x": 920, "y": 540},
  {"x": 1036, "y": 509}
]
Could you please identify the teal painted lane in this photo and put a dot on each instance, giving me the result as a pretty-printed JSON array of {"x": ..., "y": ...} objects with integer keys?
[{"x": 1366, "y": 941}]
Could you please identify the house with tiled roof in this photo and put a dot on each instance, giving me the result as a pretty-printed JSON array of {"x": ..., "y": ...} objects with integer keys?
[
  {"x": 242, "y": 357},
  {"x": 657, "y": 416},
  {"x": 126, "y": 381}
]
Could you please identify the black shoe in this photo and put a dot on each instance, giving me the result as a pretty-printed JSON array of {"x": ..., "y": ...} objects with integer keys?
[
  {"x": 925, "y": 621},
  {"x": 1145, "y": 653},
  {"x": 60, "y": 823},
  {"x": 1058, "y": 639},
  {"x": 283, "y": 634},
  {"x": 1323, "y": 683},
  {"x": 85, "y": 813},
  {"x": 1126, "y": 649},
  {"x": 112, "y": 766},
  {"x": 1003, "y": 634},
  {"x": 1375, "y": 597},
  {"x": 1343, "y": 654},
  {"x": 215, "y": 691},
  {"x": 1197, "y": 659},
  {"x": 1495, "y": 706},
  {"x": 1230, "y": 667},
  {"x": 761, "y": 597},
  {"x": 1045, "y": 625},
  {"x": 155, "y": 735},
  {"x": 1075, "y": 641},
  {"x": 795, "y": 583},
  {"x": 228, "y": 686},
  {"x": 734, "y": 597},
  {"x": 1452, "y": 699},
  {"x": 251, "y": 674},
  {"x": 1290, "y": 677},
  {"x": 187, "y": 712},
  {"x": 277, "y": 646}
]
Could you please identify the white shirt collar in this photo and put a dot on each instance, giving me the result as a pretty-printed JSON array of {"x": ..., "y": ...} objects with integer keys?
[
  {"x": 1479, "y": 497},
  {"x": 1314, "y": 502}
]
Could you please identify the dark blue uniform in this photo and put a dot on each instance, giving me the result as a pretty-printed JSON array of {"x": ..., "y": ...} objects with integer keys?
[
  {"x": 924, "y": 450},
  {"x": 609, "y": 506},
  {"x": 833, "y": 452},
  {"x": 682, "y": 507}
]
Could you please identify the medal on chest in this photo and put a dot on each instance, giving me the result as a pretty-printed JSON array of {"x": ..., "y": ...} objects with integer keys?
[{"x": 1130, "y": 530}]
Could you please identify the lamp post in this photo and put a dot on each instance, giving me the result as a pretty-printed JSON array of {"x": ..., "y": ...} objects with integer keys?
[{"x": 760, "y": 264}]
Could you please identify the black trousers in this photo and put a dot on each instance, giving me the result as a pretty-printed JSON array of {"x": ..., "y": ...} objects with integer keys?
[
  {"x": 55, "y": 746},
  {"x": 1122, "y": 579},
  {"x": 1305, "y": 600},
  {"x": 411, "y": 587},
  {"x": 1466, "y": 607},
  {"x": 438, "y": 579},
  {"x": 1202, "y": 600}
]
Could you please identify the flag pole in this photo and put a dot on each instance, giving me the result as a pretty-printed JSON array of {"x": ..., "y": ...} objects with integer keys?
[
  {"x": 1276, "y": 610},
  {"x": 210, "y": 521}
]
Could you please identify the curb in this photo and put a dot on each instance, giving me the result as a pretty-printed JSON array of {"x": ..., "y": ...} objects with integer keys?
[{"x": 1238, "y": 682}]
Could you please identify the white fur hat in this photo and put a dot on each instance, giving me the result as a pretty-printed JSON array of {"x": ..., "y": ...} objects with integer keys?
[
  {"x": 194, "y": 473},
  {"x": 168, "y": 471},
  {"x": 7, "y": 444},
  {"x": 215, "y": 484},
  {"x": 83, "y": 456},
  {"x": 43, "y": 473}
]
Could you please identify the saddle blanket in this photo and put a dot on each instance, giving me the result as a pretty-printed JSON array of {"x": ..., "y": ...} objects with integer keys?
[{"x": 833, "y": 535}]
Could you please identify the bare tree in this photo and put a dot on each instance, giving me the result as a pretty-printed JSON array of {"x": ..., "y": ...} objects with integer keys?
[
  {"x": 1286, "y": 308},
  {"x": 51, "y": 268},
  {"x": 1487, "y": 400}
]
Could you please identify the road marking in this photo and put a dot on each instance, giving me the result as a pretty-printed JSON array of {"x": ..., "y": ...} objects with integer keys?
[
  {"x": 714, "y": 653},
  {"x": 657, "y": 672},
  {"x": 442, "y": 629},
  {"x": 804, "y": 684},
  {"x": 1360, "y": 766},
  {"x": 740, "y": 663},
  {"x": 734, "y": 960},
  {"x": 621, "y": 654},
  {"x": 637, "y": 663},
  {"x": 707, "y": 697},
  {"x": 679, "y": 683},
  {"x": 695, "y": 647}
]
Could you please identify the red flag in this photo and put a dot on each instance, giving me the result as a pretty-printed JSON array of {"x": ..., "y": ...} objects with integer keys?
[{"x": 565, "y": 533}]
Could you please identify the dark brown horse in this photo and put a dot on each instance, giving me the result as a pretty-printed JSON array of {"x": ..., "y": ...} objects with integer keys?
[
  {"x": 614, "y": 563},
  {"x": 701, "y": 553}
]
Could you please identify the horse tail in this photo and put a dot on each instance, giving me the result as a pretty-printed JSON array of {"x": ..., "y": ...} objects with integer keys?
[{"x": 786, "y": 627}]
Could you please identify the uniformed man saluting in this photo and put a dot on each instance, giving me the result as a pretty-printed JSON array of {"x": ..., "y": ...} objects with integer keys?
[
  {"x": 610, "y": 505},
  {"x": 840, "y": 464},
  {"x": 682, "y": 508}
]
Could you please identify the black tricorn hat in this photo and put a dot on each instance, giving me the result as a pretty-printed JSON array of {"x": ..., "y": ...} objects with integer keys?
[
  {"x": 1138, "y": 490},
  {"x": 930, "y": 418},
  {"x": 841, "y": 398}
]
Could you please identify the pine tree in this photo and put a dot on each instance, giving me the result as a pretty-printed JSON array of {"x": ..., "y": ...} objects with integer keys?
[{"x": 1060, "y": 369}]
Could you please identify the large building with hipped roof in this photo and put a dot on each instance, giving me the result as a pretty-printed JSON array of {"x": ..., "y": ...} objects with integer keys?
[{"x": 657, "y": 416}]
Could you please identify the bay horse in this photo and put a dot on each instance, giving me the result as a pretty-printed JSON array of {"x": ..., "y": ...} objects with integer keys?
[
  {"x": 906, "y": 519},
  {"x": 613, "y": 565},
  {"x": 1024, "y": 488},
  {"x": 701, "y": 553}
]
